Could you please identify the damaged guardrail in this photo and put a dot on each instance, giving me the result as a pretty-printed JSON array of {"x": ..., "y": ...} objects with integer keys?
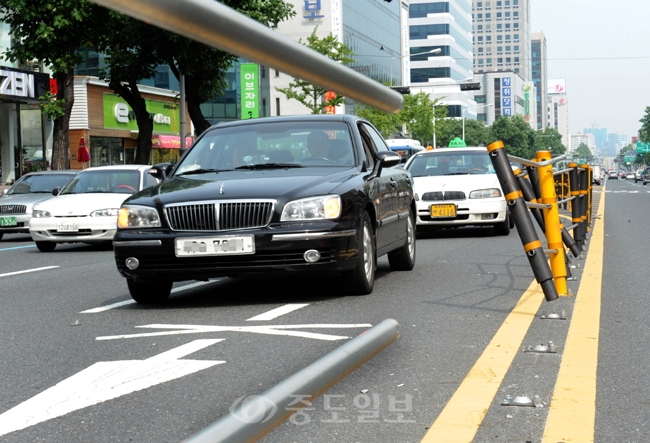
[
  {"x": 257, "y": 417},
  {"x": 536, "y": 190}
]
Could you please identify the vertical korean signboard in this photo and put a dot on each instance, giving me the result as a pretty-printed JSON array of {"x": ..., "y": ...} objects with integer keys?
[
  {"x": 506, "y": 96},
  {"x": 249, "y": 91}
]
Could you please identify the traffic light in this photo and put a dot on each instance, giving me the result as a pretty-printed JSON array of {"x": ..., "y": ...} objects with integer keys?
[
  {"x": 401, "y": 89},
  {"x": 470, "y": 86}
]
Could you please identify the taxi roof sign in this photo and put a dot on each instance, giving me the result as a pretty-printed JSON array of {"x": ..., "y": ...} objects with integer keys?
[{"x": 457, "y": 143}]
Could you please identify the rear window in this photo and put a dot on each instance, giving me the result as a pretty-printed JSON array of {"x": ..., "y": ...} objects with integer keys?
[{"x": 40, "y": 183}]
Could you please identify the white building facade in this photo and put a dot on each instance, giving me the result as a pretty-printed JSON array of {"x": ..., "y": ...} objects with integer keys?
[{"x": 558, "y": 108}]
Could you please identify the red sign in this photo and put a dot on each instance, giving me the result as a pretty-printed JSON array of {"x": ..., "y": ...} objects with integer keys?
[
  {"x": 169, "y": 141},
  {"x": 54, "y": 88},
  {"x": 330, "y": 95}
]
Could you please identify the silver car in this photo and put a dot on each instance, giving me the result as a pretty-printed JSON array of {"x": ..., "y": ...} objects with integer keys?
[{"x": 16, "y": 203}]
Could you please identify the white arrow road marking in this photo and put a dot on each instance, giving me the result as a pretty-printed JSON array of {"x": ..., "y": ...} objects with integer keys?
[
  {"x": 270, "y": 330},
  {"x": 105, "y": 381},
  {"x": 277, "y": 312}
]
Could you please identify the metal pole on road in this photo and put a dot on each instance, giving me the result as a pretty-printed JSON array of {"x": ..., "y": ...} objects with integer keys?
[
  {"x": 219, "y": 26},
  {"x": 255, "y": 418}
]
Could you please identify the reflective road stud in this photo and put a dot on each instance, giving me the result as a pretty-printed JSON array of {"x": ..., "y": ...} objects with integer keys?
[
  {"x": 519, "y": 212},
  {"x": 552, "y": 220}
]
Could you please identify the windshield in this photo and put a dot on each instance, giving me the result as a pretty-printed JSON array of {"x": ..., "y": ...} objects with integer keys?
[
  {"x": 104, "y": 181},
  {"x": 450, "y": 163},
  {"x": 40, "y": 183},
  {"x": 268, "y": 145}
]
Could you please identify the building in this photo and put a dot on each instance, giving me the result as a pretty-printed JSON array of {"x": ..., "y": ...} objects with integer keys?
[
  {"x": 504, "y": 93},
  {"x": 539, "y": 74},
  {"x": 618, "y": 140},
  {"x": 374, "y": 30},
  {"x": 583, "y": 139},
  {"x": 558, "y": 108},
  {"x": 502, "y": 36},
  {"x": 600, "y": 136}
]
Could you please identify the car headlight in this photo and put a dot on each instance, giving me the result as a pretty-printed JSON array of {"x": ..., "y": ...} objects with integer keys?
[
  {"x": 37, "y": 213},
  {"x": 138, "y": 217},
  {"x": 314, "y": 208},
  {"x": 111, "y": 212},
  {"x": 485, "y": 193}
]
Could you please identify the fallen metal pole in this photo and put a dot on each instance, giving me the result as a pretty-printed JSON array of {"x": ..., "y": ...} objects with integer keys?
[
  {"x": 218, "y": 26},
  {"x": 257, "y": 417}
]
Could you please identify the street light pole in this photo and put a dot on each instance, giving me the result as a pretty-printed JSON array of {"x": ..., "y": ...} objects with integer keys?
[{"x": 433, "y": 51}]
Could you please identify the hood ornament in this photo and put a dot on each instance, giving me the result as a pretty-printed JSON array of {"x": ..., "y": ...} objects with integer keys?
[{"x": 221, "y": 191}]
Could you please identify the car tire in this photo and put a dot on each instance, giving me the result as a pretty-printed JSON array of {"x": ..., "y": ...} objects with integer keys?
[
  {"x": 403, "y": 259},
  {"x": 511, "y": 220},
  {"x": 361, "y": 279},
  {"x": 1, "y": 234},
  {"x": 45, "y": 246},
  {"x": 145, "y": 292},
  {"x": 503, "y": 228}
]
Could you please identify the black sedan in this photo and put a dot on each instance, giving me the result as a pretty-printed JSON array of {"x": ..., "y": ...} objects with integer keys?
[{"x": 317, "y": 193}]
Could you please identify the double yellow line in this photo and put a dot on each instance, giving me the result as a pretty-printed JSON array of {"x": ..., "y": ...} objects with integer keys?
[{"x": 573, "y": 406}]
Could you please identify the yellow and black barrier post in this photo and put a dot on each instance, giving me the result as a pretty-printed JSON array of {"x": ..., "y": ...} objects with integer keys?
[
  {"x": 575, "y": 204},
  {"x": 529, "y": 196},
  {"x": 519, "y": 212},
  {"x": 584, "y": 199},
  {"x": 552, "y": 221}
]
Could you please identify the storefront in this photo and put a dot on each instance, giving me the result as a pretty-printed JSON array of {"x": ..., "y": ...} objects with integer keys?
[
  {"x": 23, "y": 131},
  {"x": 109, "y": 130}
]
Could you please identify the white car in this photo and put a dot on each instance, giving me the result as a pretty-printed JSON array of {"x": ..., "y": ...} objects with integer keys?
[
  {"x": 458, "y": 187},
  {"x": 86, "y": 208}
]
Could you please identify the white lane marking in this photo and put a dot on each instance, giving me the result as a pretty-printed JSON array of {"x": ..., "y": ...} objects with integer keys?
[
  {"x": 277, "y": 312},
  {"x": 128, "y": 302},
  {"x": 28, "y": 270},
  {"x": 105, "y": 381},
  {"x": 269, "y": 330},
  {"x": 17, "y": 247}
]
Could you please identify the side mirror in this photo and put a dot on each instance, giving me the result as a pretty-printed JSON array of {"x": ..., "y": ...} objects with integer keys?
[
  {"x": 385, "y": 159},
  {"x": 4, "y": 191},
  {"x": 160, "y": 171},
  {"x": 56, "y": 191}
]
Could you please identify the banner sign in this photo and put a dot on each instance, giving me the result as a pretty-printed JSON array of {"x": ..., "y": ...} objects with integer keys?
[{"x": 249, "y": 91}]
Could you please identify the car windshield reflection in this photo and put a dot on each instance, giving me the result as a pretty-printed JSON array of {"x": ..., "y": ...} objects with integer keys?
[{"x": 113, "y": 181}]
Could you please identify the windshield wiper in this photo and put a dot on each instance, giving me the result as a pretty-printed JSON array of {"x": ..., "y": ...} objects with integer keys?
[
  {"x": 270, "y": 166},
  {"x": 198, "y": 171}
]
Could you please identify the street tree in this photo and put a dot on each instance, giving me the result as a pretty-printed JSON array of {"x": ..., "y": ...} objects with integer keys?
[
  {"x": 51, "y": 31},
  {"x": 310, "y": 95},
  {"x": 582, "y": 154},
  {"x": 549, "y": 139},
  {"x": 517, "y": 135},
  {"x": 644, "y": 132},
  {"x": 476, "y": 134},
  {"x": 205, "y": 67}
]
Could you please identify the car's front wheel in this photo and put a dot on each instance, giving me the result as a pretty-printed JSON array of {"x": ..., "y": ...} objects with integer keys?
[
  {"x": 149, "y": 292},
  {"x": 45, "y": 246},
  {"x": 503, "y": 228},
  {"x": 1, "y": 234},
  {"x": 361, "y": 279},
  {"x": 403, "y": 259}
]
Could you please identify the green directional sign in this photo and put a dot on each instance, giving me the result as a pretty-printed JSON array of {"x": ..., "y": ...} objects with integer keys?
[
  {"x": 629, "y": 157},
  {"x": 642, "y": 147},
  {"x": 457, "y": 143}
]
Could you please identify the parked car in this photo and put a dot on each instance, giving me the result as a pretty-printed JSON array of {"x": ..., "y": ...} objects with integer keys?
[
  {"x": 16, "y": 202},
  {"x": 612, "y": 175},
  {"x": 458, "y": 187},
  {"x": 86, "y": 208},
  {"x": 300, "y": 194},
  {"x": 638, "y": 175}
]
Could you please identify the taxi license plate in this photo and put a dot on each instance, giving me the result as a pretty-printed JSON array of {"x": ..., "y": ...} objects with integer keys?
[
  {"x": 8, "y": 221},
  {"x": 67, "y": 227},
  {"x": 221, "y": 245},
  {"x": 443, "y": 211}
]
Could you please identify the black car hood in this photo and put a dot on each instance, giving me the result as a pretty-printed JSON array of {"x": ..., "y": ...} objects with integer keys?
[{"x": 282, "y": 184}]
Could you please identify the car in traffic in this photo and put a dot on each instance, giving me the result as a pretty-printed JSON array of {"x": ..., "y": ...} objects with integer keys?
[
  {"x": 86, "y": 208},
  {"x": 622, "y": 174},
  {"x": 310, "y": 194},
  {"x": 638, "y": 175},
  {"x": 458, "y": 187},
  {"x": 629, "y": 175},
  {"x": 16, "y": 202},
  {"x": 612, "y": 175},
  {"x": 645, "y": 176}
]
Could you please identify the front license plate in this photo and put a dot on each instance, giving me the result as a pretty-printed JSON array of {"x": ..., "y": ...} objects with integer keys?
[
  {"x": 222, "y": 245},
  {"x": 443, "y": 211},
  {"x": 67, "y": 227},
  {"x": 8, "y": 221}
]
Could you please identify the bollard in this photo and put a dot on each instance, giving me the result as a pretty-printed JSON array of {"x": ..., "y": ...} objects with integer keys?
[
  {"x": 584, "y": 198},
  {"x": 257, "y": 417},
  {"x": 575, "y": 204},
  {"x": 525, "y": 228},
  {"x": 529, "y": 196},
  {"x": 552, "y": 220}
]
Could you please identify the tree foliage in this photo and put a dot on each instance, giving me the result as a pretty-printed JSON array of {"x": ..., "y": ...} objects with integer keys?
[
  {"x": 310, "y": 95},
  {"x": 50, "y": 31},
  {"x": 516, "y": 134},
  {"x": 582, "y": 154},
  {"x": 549, "y": 139},
  {"x": 644, "y": 132}
]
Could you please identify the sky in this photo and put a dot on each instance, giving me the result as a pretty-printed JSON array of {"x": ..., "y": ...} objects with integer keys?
[{"x": 602, "y": 49}]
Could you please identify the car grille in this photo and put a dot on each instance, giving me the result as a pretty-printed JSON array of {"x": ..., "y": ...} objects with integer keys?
[
  {"x": 13, "y": 209},
  {"x": 443, "y": 196},
  {"x": 219, "y": 216}
]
